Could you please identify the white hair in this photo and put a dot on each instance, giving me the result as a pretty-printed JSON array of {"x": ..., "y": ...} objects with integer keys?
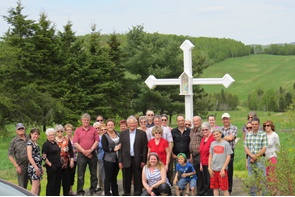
[
  {"x": 96, "y": 123},
  {"x": 59, "y": 127},
  {"x": 49, "y": 130}
]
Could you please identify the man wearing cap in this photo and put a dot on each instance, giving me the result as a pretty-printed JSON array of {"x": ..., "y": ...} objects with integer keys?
[
  {"x": 229, "y": 132},
  {"x": 17, "y": 154}
]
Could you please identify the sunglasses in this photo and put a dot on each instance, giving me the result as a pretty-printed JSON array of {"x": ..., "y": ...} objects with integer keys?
[
  {"x": 205, "y": 129},
  {"x": 248, "y": 127},
  {"x": 99, "y": 120},
  {"x": 188, "y": 125},
  {"x": 150, "y": 114},
  {"x": 164, "y": 120},
  {"x": 21, "y": 129},
  {"x": 60, "y": 131},
  {"x": 267, "y": 125}
]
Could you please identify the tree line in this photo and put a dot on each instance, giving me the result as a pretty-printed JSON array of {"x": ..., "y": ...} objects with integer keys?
[{"x": 50, "y": 76}]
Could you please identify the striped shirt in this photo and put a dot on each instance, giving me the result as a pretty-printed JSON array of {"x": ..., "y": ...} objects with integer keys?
[
  {"x": 255, "y": 142},
  {"x": 153, "y": 177}
]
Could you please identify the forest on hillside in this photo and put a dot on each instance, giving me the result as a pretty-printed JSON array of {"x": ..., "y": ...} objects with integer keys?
[{"x": 50, "y": 76}]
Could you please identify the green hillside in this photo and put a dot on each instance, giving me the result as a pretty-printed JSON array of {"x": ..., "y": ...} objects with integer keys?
[{"x": 252, "y": 72}]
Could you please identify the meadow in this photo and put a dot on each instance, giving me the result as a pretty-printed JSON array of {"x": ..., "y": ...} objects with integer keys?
[{"x": 253, "y": 72}]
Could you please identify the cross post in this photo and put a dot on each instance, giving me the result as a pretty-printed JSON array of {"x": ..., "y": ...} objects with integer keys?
[{"x": 186, "y": 81}]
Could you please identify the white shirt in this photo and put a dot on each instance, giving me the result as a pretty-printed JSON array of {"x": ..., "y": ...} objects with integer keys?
[{"x": 273, "y": 145}]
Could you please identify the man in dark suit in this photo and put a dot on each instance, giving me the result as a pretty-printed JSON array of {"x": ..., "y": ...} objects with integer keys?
[{"x": 132, "y": 156}]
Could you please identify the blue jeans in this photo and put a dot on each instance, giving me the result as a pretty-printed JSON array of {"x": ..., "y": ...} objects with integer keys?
[{"x": 254, "y": 169}]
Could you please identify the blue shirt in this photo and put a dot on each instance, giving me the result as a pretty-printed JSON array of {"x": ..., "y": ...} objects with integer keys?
[{"x": 187, "y": 168}]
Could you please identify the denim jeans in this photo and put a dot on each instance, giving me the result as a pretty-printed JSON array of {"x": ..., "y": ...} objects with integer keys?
[{"x": 253, "y": 170}]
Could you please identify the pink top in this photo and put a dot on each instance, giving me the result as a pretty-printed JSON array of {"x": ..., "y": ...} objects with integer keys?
[
  {"x": 86, "y": 138},
  {"x": 204, "y": 149}
]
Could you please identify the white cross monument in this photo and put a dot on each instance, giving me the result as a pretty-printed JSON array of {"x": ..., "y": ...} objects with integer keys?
[{"x": 186, "y": 81}]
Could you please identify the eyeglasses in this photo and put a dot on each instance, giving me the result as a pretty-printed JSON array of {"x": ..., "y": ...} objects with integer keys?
[
  {"x": 99, "y": 120},
  {"x": 103, "y": 129},
  {"x": 142, "y": 121},
  {"x": 267, "y": 125},
  {"x": 21, "y": 129},
  {"x": 248, "y": 127},
  {"x": 250, "y": 117},
  {"x": 150, "y": 114},
  {"x": 205, "y": 129},
  {"x": 158, "y": 133},
  {"x": 97, "y": 128},
  {"x": 164, "y": 120},
  {"x": 60, "y": 131},
  {"x": 188, "y": 125}
]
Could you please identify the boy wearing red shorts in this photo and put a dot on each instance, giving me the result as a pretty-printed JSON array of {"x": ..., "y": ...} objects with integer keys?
[{"x": 219, "y": 157}]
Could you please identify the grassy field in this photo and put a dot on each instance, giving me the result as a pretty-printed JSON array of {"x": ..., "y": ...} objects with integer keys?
[{"x": 253, "y": 72}]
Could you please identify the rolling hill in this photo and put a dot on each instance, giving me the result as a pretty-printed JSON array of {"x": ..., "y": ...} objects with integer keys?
[{"x": 253, "y": 72}]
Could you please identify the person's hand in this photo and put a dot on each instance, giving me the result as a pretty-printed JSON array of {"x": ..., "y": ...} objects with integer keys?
[
  {"x": 222, "y": 173},
  {"x": 142, "y": 164},
  {"x": 38, "y": 171},
  {"x": 211, "y": 172},
  {"x": 184, "y": 175},
  {"x": 72, "y": 163},
  {"x": 201, "y": 168},
  {"x": 175, "y": 181},
  {"x": 150, "y": 190},
  {"x": 153, "y": 194},
  {"x": 87, "y": 152},
  {"x": 18, "y": 169},
  {"x": 120, "y": 165}
]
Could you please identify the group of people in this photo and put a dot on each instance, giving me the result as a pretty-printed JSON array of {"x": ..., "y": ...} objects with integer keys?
[{"x": 196, "y": 158}]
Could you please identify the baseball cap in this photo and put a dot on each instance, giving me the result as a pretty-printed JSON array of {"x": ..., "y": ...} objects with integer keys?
[
  {"x": 225, "y": 115},
  {"x": 19, "y": 125}
]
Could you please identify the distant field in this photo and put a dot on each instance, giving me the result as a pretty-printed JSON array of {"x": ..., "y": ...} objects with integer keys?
[{"x": 253, "y": 72}]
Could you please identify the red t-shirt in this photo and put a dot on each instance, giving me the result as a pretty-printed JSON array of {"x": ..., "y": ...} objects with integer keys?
[
  {"x": 86, "y": 138},
  {"x": 160, "y": 149},
  {"x": 204, "y": 149}
]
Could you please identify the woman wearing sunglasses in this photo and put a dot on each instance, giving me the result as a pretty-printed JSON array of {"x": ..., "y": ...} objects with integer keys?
[{"x": 272, "y": 148}]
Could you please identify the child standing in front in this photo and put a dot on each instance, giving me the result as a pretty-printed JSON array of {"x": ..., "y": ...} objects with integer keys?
[
  {"x": 219, "y": 158},
  {"x": 185, "y": 173}
]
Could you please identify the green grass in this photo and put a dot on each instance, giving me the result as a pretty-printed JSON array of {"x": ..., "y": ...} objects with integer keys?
[{"x": 253, "y": 72}]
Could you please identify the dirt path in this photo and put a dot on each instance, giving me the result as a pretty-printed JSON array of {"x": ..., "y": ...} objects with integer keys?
[{"x": 237, "y": 188}]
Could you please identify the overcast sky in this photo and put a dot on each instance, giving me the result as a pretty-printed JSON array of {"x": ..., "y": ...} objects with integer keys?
[{"x": 248, "y": 21}]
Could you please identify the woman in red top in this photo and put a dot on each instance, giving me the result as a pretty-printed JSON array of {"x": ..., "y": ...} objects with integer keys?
[
  {"x": 159, "y": 145},
  {"x": 204, "y": 156}
]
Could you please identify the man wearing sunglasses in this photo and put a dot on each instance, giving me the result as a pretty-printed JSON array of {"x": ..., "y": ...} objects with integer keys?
[
  {"x": 150, "y": 117},
  {"x": 255, "y": 145},
  {"x": 17, "y": 154}
]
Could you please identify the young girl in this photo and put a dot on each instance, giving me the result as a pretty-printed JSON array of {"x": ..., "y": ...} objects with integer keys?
[
  {"x": 185, "y": 173},
  {"x": 35, "y": 160}
]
